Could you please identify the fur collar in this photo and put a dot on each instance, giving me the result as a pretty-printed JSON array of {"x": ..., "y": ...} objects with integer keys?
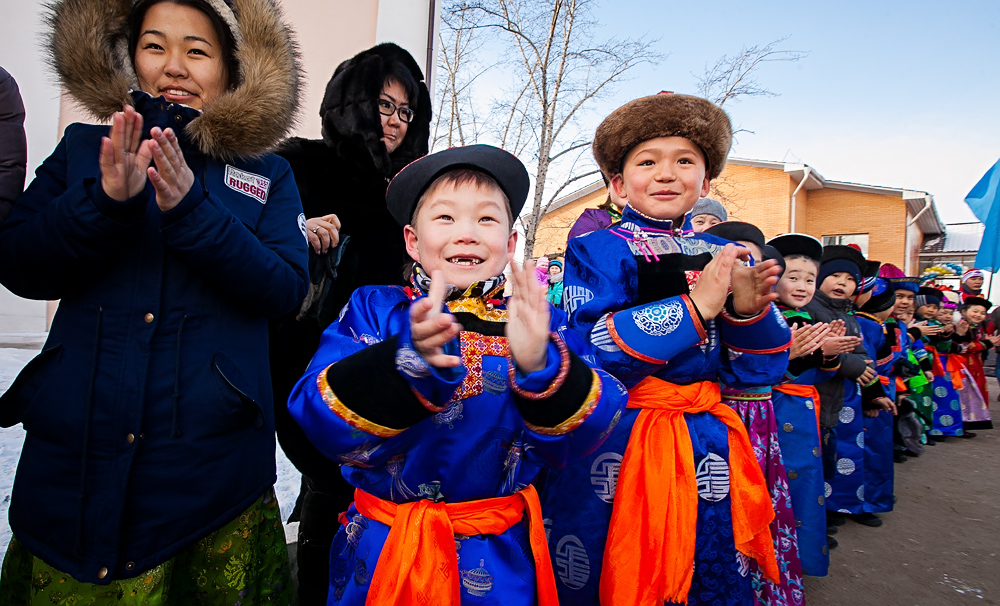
[{"x": 87, "y": 50}]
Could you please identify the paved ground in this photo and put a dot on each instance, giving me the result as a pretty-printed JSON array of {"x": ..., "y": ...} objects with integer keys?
[{"x": 941, "y": 545}]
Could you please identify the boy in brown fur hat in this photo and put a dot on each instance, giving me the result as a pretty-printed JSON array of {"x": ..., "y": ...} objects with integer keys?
[{"x": 673, "y": 506}]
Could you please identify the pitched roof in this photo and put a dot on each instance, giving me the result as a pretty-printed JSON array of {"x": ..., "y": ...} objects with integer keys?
[{"x": 958, "y": 238}]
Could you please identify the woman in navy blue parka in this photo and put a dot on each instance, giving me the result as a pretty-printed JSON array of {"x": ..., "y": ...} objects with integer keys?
[{"x": 169, "y": 241}]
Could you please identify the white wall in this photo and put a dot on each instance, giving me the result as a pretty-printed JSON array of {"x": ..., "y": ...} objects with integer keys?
[{"x": 20, "y": 54}]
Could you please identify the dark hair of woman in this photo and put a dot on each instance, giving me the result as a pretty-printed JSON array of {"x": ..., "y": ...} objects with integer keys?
[
  {"x": 226, "y": 39},
  {"x": 397, "y": 72}
]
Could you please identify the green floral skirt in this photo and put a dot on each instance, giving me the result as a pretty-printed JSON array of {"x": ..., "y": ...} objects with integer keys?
[{"x": 244, "y": 563}]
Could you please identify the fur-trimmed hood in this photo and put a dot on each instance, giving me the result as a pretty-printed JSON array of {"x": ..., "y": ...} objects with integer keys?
[
  {"x": 87, "y": 48},
  {"x": 350, "y": 117}
]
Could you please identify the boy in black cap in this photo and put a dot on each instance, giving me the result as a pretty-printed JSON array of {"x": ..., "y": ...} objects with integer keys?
[
  {"x": 813, "y": 358},
  {"x": 443, "y": 426},
  {"x": 673, "y": 506},
  {"x": 839, "y": 278}
]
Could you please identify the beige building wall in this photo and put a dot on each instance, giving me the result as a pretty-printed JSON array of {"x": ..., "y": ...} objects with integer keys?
[
  {"x": 756, "y": 195},
  {"x": 882, "y": 217}
]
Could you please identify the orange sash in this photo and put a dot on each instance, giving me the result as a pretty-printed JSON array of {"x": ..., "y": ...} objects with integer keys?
[
  {"x": 955, "y": 366},
  {"x": 802, "y": 391},
  {"x": 419, "y": 563},
  {"x": 649, "y": 557}
]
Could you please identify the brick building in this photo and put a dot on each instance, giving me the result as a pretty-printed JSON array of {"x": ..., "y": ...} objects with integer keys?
[{"x": 889, "y": 224}]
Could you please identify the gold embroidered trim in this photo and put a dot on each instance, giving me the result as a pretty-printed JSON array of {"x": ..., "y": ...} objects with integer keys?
[
  {"x": 581, "y": 415},
  {"x": 479, "y": 308},
  {"x": 349, "y": 416}
]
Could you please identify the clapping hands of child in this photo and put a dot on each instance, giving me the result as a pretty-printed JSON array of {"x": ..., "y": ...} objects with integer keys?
[
  {"x": 527, "y": 320},
  {"x": 807, "y": 339},
  {"x": 752, "y": 287},
  {"x": 924, "y": 329},
  {"x": 838, "y": 342},
  {"x": 431, "y": 329}
]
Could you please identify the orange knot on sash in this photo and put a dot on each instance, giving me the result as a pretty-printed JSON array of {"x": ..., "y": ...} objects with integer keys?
[
  {"x": 955, "y": 366},
  {"x": 419, "y": 563},
  {"x": 802, "y": 391},
  {"x": 649, "y": 556}
]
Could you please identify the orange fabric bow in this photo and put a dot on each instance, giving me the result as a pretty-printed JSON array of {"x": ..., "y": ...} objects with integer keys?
[
  {"x": 419, "y": 565},
  {"x": 803, "y": 391},
  {"x": 649, "y": 556},
  {"x": 955, "y": 366}
]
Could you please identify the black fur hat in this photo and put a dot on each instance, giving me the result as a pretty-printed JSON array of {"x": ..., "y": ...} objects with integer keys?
[
  {"x": 664, "y": 115},
  {"x": 349, "y": 109}
]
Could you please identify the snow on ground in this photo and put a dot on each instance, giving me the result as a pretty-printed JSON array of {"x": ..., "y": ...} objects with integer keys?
[{"x": 11, "y": 362}]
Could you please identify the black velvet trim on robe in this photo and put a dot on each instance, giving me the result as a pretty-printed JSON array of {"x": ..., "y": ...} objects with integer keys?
[
  {"x": 564, "y": 403},
  {"x": 368, "y": 383}
]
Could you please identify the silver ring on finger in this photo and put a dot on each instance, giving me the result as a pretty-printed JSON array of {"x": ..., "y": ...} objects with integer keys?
[{"x": 315, "y": 229}]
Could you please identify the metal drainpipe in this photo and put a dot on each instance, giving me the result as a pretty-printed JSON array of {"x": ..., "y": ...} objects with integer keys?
[
  {"x": 906, "y": 234},
  {"x": 791, "y": 218}
]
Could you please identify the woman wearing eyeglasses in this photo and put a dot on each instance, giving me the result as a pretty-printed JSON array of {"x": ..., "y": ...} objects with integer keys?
[{"x": 375, "y": 115}]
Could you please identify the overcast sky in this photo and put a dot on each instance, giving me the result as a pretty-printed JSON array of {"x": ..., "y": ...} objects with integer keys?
[{"x": 897, "y": 94}]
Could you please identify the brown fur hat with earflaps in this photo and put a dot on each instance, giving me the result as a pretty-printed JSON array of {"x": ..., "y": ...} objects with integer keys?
[
  {"x": 88, "y": 50},
  {"x": 664, "y": 115}
]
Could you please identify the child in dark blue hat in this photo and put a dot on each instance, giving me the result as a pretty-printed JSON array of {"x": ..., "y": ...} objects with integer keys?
[{"x": 443, "y": 400}]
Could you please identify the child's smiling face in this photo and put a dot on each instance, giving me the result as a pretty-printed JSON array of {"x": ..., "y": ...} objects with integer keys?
[
  {"x": 462, "y": 229},
  {"x": 975, "y": 314},
  {"x": 839, "y": 285},
  {"x": 663, "y": 178},
  {"x": 798, "y": 284}
]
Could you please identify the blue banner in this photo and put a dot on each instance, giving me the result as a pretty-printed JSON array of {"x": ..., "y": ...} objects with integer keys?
[{"x": 982, "y": 200}]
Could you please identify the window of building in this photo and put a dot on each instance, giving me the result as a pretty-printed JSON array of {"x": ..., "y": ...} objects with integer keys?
[{"x": 860, "y": 239}]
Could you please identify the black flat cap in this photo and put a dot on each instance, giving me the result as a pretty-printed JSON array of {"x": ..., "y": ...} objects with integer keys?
[
  {"x": 736, "y": 231},
  {"x": 977, "y": 301},
  {"x": 797, "y": 244},
  {"x": 410, "y": 183}
]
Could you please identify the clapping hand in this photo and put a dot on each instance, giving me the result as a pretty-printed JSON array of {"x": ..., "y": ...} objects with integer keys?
[
  {"x": 753, "y": 287},
  {"x": 172, "y": 178},
  {"x": 712, "y": 288},
  {"x": 431, "y": 329},
  {"x": 527, "y": 320},
  {"x": 123, "y": 159},
  {"x": 807, "y": 339}
]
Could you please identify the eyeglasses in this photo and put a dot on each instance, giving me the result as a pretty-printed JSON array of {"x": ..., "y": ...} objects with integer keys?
[{"x": 388, "y": 108}]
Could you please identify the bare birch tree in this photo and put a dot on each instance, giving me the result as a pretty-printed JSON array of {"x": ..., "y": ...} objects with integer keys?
[
  {"x": 732, "y": 77},
  {"x": 455, "y": 123},
  {"x": 557, "y": 67}
]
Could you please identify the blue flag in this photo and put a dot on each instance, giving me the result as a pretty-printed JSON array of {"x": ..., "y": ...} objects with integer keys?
[{"x": 983, "y": 202}]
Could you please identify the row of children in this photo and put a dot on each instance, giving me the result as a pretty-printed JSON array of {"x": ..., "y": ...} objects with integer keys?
[{"x": 675, "y": 434}]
